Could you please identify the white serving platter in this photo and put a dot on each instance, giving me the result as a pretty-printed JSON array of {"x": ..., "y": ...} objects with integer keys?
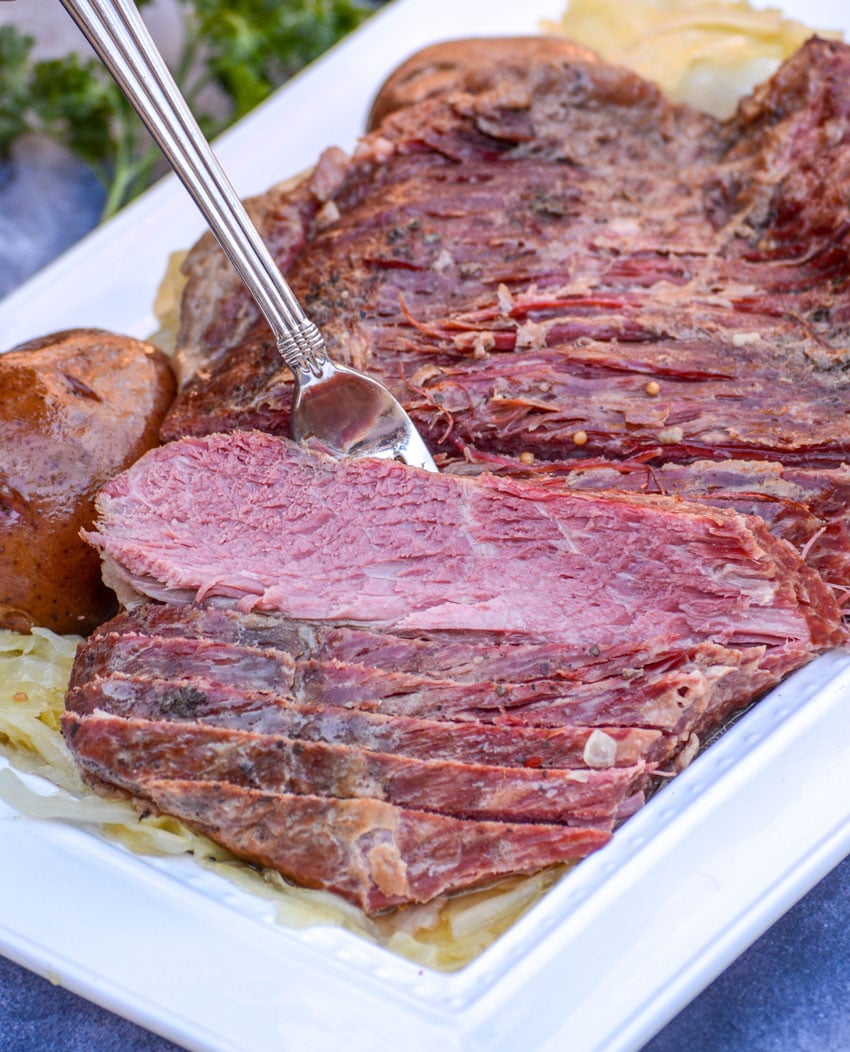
[{"x": 612, "y": 952}]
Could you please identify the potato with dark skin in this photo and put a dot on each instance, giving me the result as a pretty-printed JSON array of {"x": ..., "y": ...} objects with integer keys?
[{"x": 76, "y": 408}]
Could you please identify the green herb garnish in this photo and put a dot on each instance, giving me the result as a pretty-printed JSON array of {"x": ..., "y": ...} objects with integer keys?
[{"x": 246, "y": 48}]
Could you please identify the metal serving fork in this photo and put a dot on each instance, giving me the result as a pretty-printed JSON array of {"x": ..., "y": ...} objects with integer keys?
[{"x": 347, "y": 413}]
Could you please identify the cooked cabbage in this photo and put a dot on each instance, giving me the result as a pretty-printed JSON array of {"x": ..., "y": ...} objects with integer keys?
[
  {"x": 34, "y": 673},
  {"x": 704, "y": 52}
]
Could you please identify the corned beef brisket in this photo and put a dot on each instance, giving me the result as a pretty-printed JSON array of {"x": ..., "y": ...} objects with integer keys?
[
  {"x": 621, "y": 325},
  {"x": 518, "y": 264},
  {"x": 340, "y": 597}
]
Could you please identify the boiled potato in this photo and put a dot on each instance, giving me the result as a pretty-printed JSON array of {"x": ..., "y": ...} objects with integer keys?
[{"x": 75, "y": 408}]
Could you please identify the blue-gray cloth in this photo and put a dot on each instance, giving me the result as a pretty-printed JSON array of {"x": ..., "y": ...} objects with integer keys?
[
  {"x": 789, "y": 993},
  {"x": 48, "y": 200}
]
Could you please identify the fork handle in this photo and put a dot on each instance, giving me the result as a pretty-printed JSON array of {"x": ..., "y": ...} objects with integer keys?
[{"x": 121, "y": 40}]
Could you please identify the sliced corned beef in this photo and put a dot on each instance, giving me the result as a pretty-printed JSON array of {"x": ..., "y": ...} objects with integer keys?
[
  {"x": 129, "y": 752},
  {"x": 429, "y": 639},
  {"x": 371, "y": 852},
  {"x": 253, "y": 520},
  {"x": 466, "y": 741}
]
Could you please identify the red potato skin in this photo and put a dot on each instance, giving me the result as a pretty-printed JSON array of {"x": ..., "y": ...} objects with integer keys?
[{"x": 76, "y": 407}]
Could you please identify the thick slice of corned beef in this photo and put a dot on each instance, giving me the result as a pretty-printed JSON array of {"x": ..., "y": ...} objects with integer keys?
[
  {"x": 129, "y": 752},
  {"x": 369, "y": 851},
  {"x": 466, "y": 741},
  {"x": 674, "y": 684},
  {"x": 255, "y": 521},
  {"x": 462, "y": 657}
]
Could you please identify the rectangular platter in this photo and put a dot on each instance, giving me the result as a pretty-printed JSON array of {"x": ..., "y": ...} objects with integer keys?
[{"x": 610, "y": 954}]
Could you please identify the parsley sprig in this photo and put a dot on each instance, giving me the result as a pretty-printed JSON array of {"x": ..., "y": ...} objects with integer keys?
[{"x": 246, "y": 48}]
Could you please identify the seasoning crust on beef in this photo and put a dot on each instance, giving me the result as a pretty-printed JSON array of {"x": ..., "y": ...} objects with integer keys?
[{"x": 519, "y": 264}]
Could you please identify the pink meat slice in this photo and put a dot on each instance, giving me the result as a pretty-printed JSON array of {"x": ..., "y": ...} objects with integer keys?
[
  {"x": 467, "y": 657},
  {"x": 252, "y": 520}
]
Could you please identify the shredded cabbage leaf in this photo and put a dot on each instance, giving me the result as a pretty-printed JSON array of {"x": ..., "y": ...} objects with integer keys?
[{"x": 707, "y": 53}]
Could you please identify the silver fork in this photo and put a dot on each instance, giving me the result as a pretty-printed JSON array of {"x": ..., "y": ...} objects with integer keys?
[{"x": 344, "y": 411}]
